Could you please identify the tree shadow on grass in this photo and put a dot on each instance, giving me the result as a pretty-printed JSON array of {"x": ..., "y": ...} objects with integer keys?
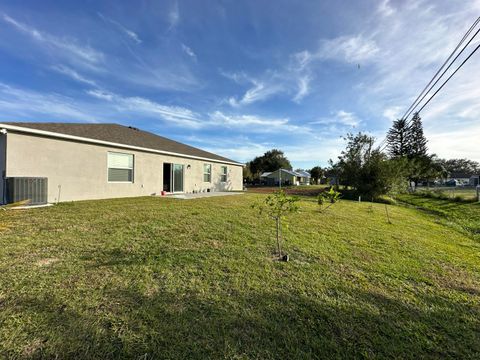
[{"x": 344, "y": 323}]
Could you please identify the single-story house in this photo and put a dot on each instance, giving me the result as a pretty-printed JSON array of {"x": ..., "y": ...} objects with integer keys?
[
  {"x": 474, "y": 180},
  {"x": 74, "y": 161},
  {"x": 458, "y": 178},
  {"x": 286, "y": 177},
  {"x": 305, "y": 177}
]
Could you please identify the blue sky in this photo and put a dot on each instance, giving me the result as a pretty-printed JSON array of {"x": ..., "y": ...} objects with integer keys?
[{"x": 241, "y": 77}]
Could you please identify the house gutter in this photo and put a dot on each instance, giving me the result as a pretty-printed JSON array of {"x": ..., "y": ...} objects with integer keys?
[{"x": 108, "y": 143}]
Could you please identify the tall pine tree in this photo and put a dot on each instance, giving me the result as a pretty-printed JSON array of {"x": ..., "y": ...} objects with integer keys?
[
  {"x": 417, "y": 143},
  {"x": 397, "y": 139}
]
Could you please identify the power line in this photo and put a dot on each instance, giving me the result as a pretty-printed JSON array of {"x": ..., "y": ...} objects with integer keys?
[
  {"x": 458, "y": 68},
  {"x": 409, "y": 110},
  {"x": 429, "y": 86},
  {"x": 443, "y": 73},
  {"x": 443, "y": 84}
]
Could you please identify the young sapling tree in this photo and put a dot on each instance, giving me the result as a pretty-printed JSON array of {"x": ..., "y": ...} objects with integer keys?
[
  {"x": 331, "y": 196},
  {"x": 277, "y": 206}
]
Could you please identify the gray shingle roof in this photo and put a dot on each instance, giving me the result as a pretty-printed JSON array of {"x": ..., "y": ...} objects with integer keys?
[
  {"x": 120, "y": 134},
  {"x": 290, "y": 172},
  {"x": 304, "y": 173}
]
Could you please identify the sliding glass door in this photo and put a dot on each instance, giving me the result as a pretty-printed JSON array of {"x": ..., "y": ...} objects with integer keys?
[{"x": 177, "y": 178}]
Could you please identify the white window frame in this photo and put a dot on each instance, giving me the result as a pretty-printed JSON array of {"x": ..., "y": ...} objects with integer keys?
[
  {"x": 128, "y": 168},
  {"x": 209, "y": 173},
  {"x": 223, "y": 173}
]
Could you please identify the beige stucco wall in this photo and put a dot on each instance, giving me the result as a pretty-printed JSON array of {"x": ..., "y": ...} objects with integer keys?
[
  {"x": 3, "y": 143},
  {"x": 78, "y": 171}
]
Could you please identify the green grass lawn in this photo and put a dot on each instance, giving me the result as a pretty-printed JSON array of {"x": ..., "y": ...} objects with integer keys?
[
  {"x": 156, "y": 278},
  {"x": 450, "y": 193},
  {"x": 463, "y": 216}
]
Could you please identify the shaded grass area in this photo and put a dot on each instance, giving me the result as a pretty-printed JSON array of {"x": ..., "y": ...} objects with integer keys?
[
  {"x": 165, "y": 278},
  {"x": 460, "y": 215}
]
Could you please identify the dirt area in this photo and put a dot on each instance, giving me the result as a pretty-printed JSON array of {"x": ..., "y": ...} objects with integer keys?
[{"x": 301, "y": 191}]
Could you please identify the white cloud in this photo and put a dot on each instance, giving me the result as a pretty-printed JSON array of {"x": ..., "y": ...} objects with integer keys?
[
  {"x": 302, "y": 59},
  {"x": 292, "y": 79},
  {"x": 350, "y": 49},
  {"x": 17, "y": 103},
  {"x": 101, "y": 94},
  {"x": 187, "y": 50},
  {"x": 392, "y": 113},
  {"x": 309, "y": 153},
  {"x": 255, "y": 124},
  {"x": 177, "y": 115},
  {"x": 260, "y": 91},
  {"x": 239, "y": 77},
  {"x": 455, "y": 144},
  {"x": 347, "y": 118},
  {"x": 173, "y": 16},
  {"x": 65, "y": 70},
  {"x": 340, "y": 118},
  {"x": 67, "y": 46},
  {"x": 303, "y": 88},
  {"x": 131, "y": 34},
  {"x": 147, "y": 69},
  {"x": 385, "y": 8}
]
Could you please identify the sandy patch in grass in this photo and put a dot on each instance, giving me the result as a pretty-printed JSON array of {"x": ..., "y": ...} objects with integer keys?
[
  {"x": 30, "y": 349},
  {"x": 47, "y": 262}
]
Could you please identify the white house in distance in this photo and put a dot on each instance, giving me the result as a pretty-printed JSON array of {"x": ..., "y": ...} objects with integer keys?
[
  {"x": 78, "y": 161},
  {"x": 287, "y": 177}
]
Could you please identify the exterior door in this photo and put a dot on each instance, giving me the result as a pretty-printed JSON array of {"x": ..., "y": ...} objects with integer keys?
[{"x": 177, "y": 177}]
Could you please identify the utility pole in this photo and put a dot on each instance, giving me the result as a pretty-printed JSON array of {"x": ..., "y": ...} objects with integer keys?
[{"x": 280, "y": 177}]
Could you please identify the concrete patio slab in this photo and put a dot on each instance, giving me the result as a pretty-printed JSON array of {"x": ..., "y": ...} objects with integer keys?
[
  {"x": 203, "y": 195},
  {"x": 27, "y": 207}
]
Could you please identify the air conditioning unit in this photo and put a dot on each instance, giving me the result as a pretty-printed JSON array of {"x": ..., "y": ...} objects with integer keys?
[{"x": 34, "y": 189}]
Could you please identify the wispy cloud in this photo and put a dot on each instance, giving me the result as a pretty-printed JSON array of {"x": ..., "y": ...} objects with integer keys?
[
  {"x": 21, "y": 104},
  {"x": 350, "y": 49},
  {"x": 187, "y": 50},
  {"x": 183, "y": 117},
  {"x": 131, "y": 34},
  {"x": 303, "y": 88},
  {"x": 179, "y": 116},
  {"x": 173, "y": 16},
  {"x": 65, "y": 70},
  {"x": 67, "y": 46},
  {"x": 240, "y": 77},
  {"x": 340, "y": 118},
  {"x": 301, "y": 155},
  {"x": 101, "y": 94},
  {"x": 260, "y": 91},
  {"x": 255, "y": 124},
  {"x": 392, "y": 113},
  {"x": 144, "y": 68},
  {"x": 292, "y": 79},
  {"x": 385, "y": 8}
]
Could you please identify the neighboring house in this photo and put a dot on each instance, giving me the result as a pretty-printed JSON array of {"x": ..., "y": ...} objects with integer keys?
[
  {"x": 287, "y": 177},
  {"x": 96, "y": 161},
  {"x": 458, "y": 178},
  {"x": 474, "y": 180},
  {"x": 304, "y": 178}
]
